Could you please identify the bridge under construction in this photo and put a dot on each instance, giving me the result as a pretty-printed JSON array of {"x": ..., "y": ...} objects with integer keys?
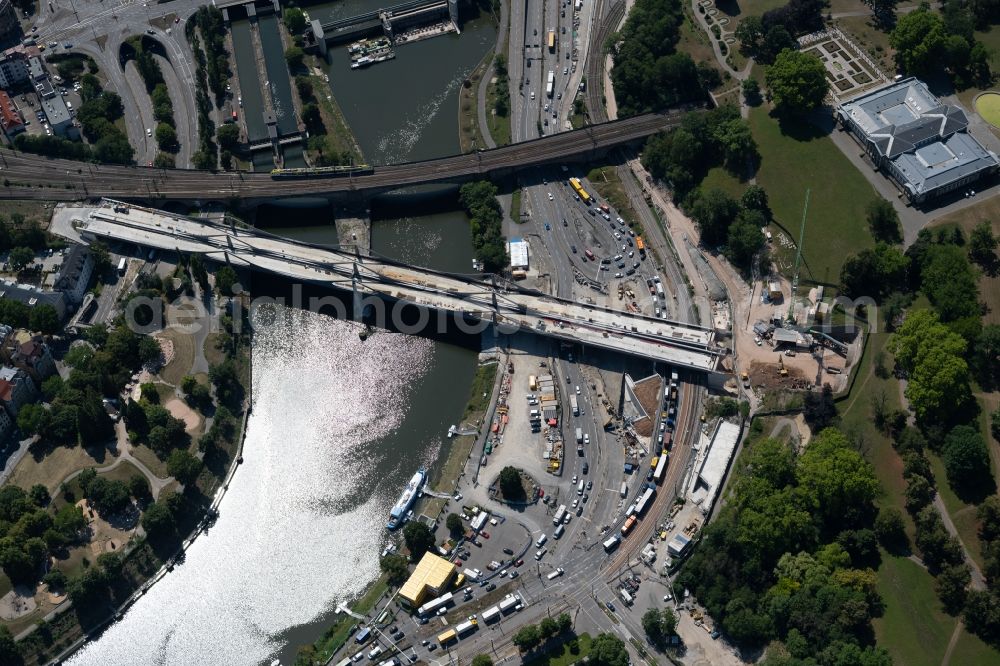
[{"x": 506, "y": 307}]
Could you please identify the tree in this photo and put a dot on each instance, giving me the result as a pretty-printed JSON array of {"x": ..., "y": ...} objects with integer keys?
[
  {"x": 931, "y": 356},
  {"x": 745, "y": 239},
  {"x": 149, "y": 350},
  {"x": 225, "y": 278},
  {"x": 883, "y": 221},
  {"x": 39, "y": 495},
  {"x": 840, "y": 484},
  {"x": 820, "y": 410},
  {"x": 294, "y": 56},
  {"x": 419, "y": 539},
  {"x": 751, "y": 91},
  {"x": 526, "y": 638},
  {"x": 394, "y": 566},
  {"x": 454, "y": 523},
  {"x": 295, "y": 20},
  {"x": 891, "y": 530},
  {"x": 547, "y": 628},
  {"x": 919, "y": 39},
  {"x": 652, "y": 624},
  {"x": 713, "y": 212},
  {"x": 565, "y": 622},
  {"x": 608, "y": 650},
  {"x": 951, "y": 586},
  {"x": 482, "y": 660},
  {"x": 20, "y": 257},
  {"x": 157, "y": 520},
  {"x": 755, "y": 198},
  {"x": 44, "y": 319},
  {"x": 510, "y": 483},
  {"x": 983, "y": 246},
  {"x": 183, "y": 466},
  {"x": 204, "y": 160},
  {"x": 17, "y": 565},
  {"x": 166, "y": 137},
  {"x": 9, "y": 654},
  {"x": 874, "y": 272},
  {"x": 228, "y": 135},
  {"x": 164, "y": 161},
  {"x": 796, "y": 81},
  {"x": 967, "y": 462},
  {"x": 33, "y": 419}
]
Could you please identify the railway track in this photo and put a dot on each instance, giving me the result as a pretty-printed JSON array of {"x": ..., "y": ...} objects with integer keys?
[
  {"x": 28, "y": 176},
  {"x": 595, "y": 61}
]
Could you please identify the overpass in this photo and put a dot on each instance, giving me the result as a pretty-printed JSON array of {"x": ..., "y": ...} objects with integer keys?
[
  {"x": 508, "y": 307},
  {"x": 28, "y": 176}
]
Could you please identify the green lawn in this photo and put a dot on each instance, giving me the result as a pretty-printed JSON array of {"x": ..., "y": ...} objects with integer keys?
[
  {"x": 962, "y": 514},
  {"x": 725, "y": 181},
  {"x": 914, "y": 629},
  {"x": 561, "y": 656},
  {"x": 805, "y": 158}
]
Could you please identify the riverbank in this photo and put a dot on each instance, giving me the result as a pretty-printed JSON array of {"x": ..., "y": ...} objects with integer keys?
[{"x": 444, "y": 478}]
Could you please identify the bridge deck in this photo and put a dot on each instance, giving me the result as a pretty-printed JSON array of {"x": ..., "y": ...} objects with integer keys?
[{"x": 671, "y": 342}]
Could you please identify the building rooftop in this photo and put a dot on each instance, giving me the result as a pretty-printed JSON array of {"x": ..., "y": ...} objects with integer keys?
[
  {"x": 72, "y": 268},
  {"x": 9, "y": 117},
  {"x": 56, "y": 111},
  {"x": 926, "y": 140},
  {"x": 518, "y": 248},
  {"x": 431, "y": 572},
  {"x": 7, "y": 373},
  {"x": 6, "y": 390},
  {"x": 30, "y": 296}
]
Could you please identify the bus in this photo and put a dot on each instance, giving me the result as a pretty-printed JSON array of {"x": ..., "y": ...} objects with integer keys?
[
  {"x": 447, "y": 637},
  {"x": 560, "y": 514},
  {"x": 121, "y": 266},
  {"x": 550, "y": 85},
  {"x": 552, "y": 41},
  {"x": 629, "y": 524},
  {"x": 580, "y": 192},
  {"x": 660, "y": 466},
  {"x": 466, "y": 627},
  {"x": 611, "y": 544},
  {"x": 659, "y": 291}
]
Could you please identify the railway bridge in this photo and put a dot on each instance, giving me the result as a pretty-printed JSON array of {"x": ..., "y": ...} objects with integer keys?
[{"x": 28, "y": 176}]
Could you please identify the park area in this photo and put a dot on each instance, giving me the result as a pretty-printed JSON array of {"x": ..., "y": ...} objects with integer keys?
[{"x": 797, "y": 156}]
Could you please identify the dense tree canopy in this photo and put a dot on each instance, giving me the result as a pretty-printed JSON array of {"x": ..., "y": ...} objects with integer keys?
[
  {"x": 772, "y": 564},
  {"x": 480, "y": 202},
  {"x": 648, "y": 73},
  {"x": 796, "y": 82},
  {"x": 932, "y": 358}
]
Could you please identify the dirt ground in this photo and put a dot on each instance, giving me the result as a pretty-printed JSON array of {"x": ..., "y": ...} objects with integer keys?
[
  {"x": 183, "y": 355},
  {"x": 17, "y": 603},
  {"x": 179, "y": 410},
  {"x": 762, "y": 360},
  {"x": 106, "y": 537}
]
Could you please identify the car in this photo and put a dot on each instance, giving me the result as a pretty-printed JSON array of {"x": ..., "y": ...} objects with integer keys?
[
  {"x": 422, "y": 620},
  {"x": 565, "y": 223},
  {"x": 478, "y": 573},
  {"x": 618, "y": 275},
  {"x": 513, "y": 574},
  {"x": 547, "y": 227},
  {"x": 611, "y": 606},
  {"x": 485, "y": 535},
  {"x": 585, "y": 469},
  {"x": 463, "y": 556},
  {"x": 150, "y": 31},
  {"x": 631, "y": 253},
  {"x": 432, "y": 647},
  {"x": 532, "y": 92},
  {"x": 590, "y": 484},
  {"x": 586, "y": 497},
  {"x": 559, "y": 96},
  {"x": 503, "y": 573},
  {"x": 508, "y": 551},
  {"x": 149, "y": 132},
  {"x": 458, "y": 497},
  {"x": 565, "y": 71},
  {"x": 715, "y": 634},
  {"x": 573, "y": 248},
  {"x": 579, "y": 511},
  {"x": 667, "y": 596},
  {"x": 576, "y": 501},
  {"x": 575, "y": 479},
  {"x": 757, "y": 340},
  {"x": 519, "y": 563},
  {"x": 426, "y": 642},
  {"x": 546, "y": 110},
  {"x": 491, "y": 587},
  {"x": 68, "y": 45},
  {"x": 177, "y": 19}
]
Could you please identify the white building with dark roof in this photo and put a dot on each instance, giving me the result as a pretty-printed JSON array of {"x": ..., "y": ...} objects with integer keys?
[{"x": 922, "y": 144}]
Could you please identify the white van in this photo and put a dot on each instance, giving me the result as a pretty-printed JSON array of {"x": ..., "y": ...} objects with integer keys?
[
  {"x": 375, "y": 651},
  {"x": 541, "y": 541},
  {"x": 555, "y": 574},
  {"x": 559, "y": 532},
  {"x": 579, "y": 487},
  {"x": 540, "y": 553}
]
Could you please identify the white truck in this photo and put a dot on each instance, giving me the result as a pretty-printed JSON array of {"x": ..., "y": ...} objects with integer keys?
[{"x": 555, "y": 574}]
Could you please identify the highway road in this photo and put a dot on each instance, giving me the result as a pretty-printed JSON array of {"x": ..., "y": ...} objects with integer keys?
[
  {"x": 146, "y": 148},
  {"x": 36, "y": 177}
]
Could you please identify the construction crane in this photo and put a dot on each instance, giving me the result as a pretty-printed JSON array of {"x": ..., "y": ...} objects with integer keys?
[{"x": 798, "y": 259}]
